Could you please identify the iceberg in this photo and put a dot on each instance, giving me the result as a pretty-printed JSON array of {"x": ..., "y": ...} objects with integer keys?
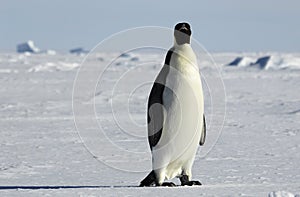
[
  {"x": 241, "y": 61},
  {"x": 78, "y": 50},
  {"x": 27, "y": 47},
  {"x": 267, "y": 62}
]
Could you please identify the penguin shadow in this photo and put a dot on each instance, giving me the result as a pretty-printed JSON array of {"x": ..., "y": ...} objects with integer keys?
[{"x": 53, "y": 187}]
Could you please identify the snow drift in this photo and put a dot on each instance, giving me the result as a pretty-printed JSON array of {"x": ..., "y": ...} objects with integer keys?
[
  {"x": 281, "y": 194},
  {"x": 51, "y": 67}
]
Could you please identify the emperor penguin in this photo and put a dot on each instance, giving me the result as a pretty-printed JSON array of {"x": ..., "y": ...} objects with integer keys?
[{"x": 175, "y": 115}]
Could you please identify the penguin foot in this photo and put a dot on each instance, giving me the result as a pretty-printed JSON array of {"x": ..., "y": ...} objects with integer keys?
[
  {"x": 191, "y": 183},
  {"x": 185, "y": 181},
  {"x": 149, "y": 180},
  {"x": 168, "y": 184}
]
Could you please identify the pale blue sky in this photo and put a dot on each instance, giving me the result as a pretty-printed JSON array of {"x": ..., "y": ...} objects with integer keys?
[{"x": 220, "y": 25}]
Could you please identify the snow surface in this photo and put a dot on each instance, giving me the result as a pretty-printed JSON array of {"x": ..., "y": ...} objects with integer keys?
[
  {"x": 42, "y": 154},
  {"x": 281, "y": 194}
]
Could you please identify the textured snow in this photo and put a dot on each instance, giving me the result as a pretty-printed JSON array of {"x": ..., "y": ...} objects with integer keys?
[
  {"x": 281, "y": 194},
  {"x": 257, "y": 153}
]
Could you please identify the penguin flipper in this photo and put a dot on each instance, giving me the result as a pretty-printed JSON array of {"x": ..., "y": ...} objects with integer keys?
[
  {"x": 203, "y": 135},
  {"x": 155, "y": 116}
]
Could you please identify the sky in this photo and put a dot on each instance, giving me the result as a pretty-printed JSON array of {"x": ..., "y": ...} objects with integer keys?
[{"x": 219, "y": 25}]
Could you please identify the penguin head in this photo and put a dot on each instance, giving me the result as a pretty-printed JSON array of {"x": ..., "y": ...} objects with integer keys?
[{"x": 182, "y": 33}]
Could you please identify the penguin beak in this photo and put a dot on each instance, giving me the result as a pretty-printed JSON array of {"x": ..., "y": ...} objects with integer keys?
[{"x": 183, "y": 28}]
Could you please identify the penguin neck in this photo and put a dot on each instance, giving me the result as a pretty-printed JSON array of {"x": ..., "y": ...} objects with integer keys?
[
  {"x": 181, "y": 44},
  {"x": 181, "y": 38},
  {"x": 182, "y": 48},
  {"x": 185, "y": 55}
]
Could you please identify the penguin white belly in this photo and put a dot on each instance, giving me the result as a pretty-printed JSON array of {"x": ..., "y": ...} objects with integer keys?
[{"x": 175, "y": 151}]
